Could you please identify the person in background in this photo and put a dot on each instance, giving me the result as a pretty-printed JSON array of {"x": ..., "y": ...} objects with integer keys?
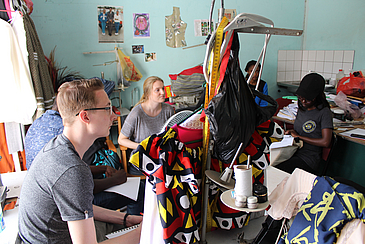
[
  {"x": 56, "y": 196},
  {"x": 103, "y": 19},
  {"x": 262, "y": 86},
  {"x": 110, "y": 21},
  {"x": 313, "y": 125},
  {"x": 147, "y": 117},
  {"x": 117, "y": 19}
]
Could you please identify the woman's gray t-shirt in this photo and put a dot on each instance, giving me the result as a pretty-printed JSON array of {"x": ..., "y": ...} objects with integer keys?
[
  {"x": 309, "y": 123},
  {"x": 138, "y": 125}
]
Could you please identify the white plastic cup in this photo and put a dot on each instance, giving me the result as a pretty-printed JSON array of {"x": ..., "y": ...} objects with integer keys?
[{"x": 243, "y": 186}]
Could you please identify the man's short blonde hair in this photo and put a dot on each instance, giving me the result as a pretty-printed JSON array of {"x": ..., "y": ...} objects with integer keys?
[{"x": 75, "y": 96}]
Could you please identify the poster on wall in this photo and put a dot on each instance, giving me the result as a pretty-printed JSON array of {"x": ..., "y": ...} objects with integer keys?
[
  {"x": 141, "y": 25},
  {"x": 110, "y": 24},
  {"x": 201, "y": 27},
  {"x": 230, "y": 14}
]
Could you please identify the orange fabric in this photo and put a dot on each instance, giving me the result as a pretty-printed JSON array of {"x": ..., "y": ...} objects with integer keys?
[
  {"x": 6, "y": 160},
  {"x": 22, "y": 160}
]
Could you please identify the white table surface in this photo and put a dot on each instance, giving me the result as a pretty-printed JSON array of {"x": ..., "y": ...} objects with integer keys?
[{"x": 8, "y": 235}]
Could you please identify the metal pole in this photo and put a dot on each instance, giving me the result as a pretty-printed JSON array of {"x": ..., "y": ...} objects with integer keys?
[{"x": 205, "y": 196}]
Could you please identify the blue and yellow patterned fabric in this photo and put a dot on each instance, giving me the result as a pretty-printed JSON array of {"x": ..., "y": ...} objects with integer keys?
[{"x": 326, "y": 210}]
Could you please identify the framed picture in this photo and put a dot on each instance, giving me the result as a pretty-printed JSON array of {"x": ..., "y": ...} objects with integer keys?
[
  {"x": 110, "y": 24},
  {"x": 141, "y": 25},
  {"x": 137, "y": 49}
]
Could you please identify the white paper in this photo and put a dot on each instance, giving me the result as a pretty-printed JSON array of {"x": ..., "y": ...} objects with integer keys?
[
  {"x": 128, "y": 189},
  {"x": 13, "y": 181},
  {"x": 354, "y": 131},
  {"x": 287, "y": 141}
]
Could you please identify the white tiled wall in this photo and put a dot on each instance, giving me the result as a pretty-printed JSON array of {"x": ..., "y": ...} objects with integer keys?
[{"x": 294, "y": 64}]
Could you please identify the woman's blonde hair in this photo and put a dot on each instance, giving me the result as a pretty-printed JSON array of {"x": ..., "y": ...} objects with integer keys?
[
  {"x": 75, "y": 96},
  {"x": 147, "y": 88}
]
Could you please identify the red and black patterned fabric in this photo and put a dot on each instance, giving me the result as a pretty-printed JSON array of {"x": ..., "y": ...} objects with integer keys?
[{"x": 175, "y": 173}]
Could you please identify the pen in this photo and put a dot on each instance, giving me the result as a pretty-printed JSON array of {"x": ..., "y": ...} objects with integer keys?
[{"x": 358, "y": 136}]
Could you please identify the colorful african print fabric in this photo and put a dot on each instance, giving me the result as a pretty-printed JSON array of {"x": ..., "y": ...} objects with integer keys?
[
  {"x": 326, "y": 210},
  {"x": 175, "y": 174}
]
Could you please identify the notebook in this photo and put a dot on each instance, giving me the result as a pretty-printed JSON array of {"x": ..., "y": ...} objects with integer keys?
[{"x": 121, "y": 232}]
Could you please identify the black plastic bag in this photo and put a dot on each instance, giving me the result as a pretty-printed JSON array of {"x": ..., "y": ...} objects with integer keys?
[{"x": 233, "y": 113}]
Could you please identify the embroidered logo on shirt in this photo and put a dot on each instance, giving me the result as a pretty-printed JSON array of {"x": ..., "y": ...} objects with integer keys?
[{"x": 309, "y": 126}]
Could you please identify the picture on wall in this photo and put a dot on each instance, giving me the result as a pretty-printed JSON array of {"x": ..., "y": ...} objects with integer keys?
[
  {"x": 110, "y": 24},
  {"x": 141, "y": 25},
  {"x": 137, "y": 49},
  {"x": 201, "y": 27},
  {"x": 148, "y": 57}
]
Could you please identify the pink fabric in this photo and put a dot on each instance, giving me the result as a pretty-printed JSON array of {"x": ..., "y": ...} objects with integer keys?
[
  {"x": 353, "y": 232},
  {"x": 7, "y": 7},
  {"x": 187, "y": 136},
  {"x": 288, "y": 196}
]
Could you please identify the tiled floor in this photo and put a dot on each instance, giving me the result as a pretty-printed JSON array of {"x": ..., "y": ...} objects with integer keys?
[{"x": 231, "y": 236}]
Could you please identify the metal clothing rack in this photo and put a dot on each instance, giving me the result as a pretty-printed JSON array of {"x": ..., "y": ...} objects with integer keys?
[{"x": 242, "y": 23}]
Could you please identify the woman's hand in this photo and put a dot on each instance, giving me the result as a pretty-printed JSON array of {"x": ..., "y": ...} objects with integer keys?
[{"x": 293, "y": 133}]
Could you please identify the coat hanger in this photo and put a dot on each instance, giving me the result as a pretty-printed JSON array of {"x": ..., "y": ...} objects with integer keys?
[{"x": 10, "y": 11}]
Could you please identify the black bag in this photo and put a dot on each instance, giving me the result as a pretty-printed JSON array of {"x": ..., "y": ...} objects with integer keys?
[
  {"x": 269, "y": 232},
  {"x": 107, "y": 157},
  {"x": 233, "y": 113}
]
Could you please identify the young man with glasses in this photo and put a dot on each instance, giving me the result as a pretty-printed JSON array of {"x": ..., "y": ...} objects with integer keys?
[
  {"x": 57, "y": 193},
  {"x": 50, "y": 125}
]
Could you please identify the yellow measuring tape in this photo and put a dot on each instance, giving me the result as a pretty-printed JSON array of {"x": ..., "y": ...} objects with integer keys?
[{"x": 209, "y": 93}]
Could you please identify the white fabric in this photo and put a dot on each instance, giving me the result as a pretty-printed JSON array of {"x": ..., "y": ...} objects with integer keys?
[
  {"x": 17, "y": 22},
  {"x": 152, "y": 231},
  {"x": 15, "y": 135},
  {"x": 193, "y": 122},
  {"x": 288, "y": 196},
  {"x": 17, "y": 98},
  {"x": 352, "y": 232}
]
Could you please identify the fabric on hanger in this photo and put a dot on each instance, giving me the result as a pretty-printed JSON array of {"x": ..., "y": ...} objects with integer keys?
[
  {"x": 175, "y": 174},
  {"x": 15, "y": 135},
  {"x": 42, "y": 81},
  {"x": 3, "y": 12},
  {"x": 17, "y": 98},
  {"x": 7, "y": 7}
]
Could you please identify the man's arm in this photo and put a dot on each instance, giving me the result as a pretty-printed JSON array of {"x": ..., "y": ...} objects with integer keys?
[
  {"x": 119, "y": 177},
  {"x": 98, "y": 170},
  {"x": 83, "y": 232},
  {"x": 115, "y": 217}
]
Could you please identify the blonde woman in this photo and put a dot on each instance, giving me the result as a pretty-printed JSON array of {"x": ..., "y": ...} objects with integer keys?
[{"x": 148, "y": 116}]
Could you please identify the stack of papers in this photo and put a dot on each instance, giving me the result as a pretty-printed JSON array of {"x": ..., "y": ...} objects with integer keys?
[
  {"x": 128, "y": 189},
  {"x": 287, "y": 141},
  {"x": 289, "y": 112}
]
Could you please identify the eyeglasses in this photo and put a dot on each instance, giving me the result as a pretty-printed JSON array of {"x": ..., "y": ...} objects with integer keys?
[{"x": 109, "y": 108}]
